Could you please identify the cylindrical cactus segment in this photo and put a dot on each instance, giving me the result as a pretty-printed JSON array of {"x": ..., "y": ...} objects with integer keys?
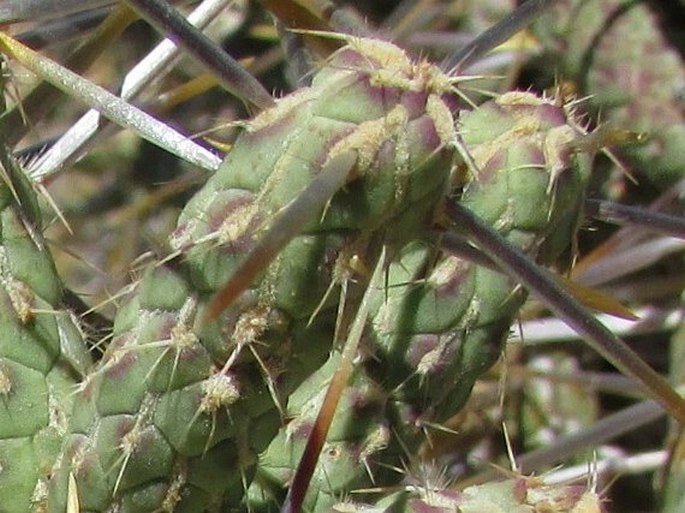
[
  {"x": 622, "y": 56},
  {"x": 42, "y": 351},
  {"x": 175, "y": 399},
  {"x": 441, "y": 321},
  {"x": 370, "y": 99}
]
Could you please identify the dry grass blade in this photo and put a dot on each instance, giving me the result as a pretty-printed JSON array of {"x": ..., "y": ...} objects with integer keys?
[
  {"x": 36, "y": 105},
  {"x": 517, "y": 21},
  {"x": 69, "y": 144},
  {"x": 27, "y": 10},
  {"x": 671, "y": 225},
  {"x": 231, "y": 75},
  {"x": 111, "y": 106}
]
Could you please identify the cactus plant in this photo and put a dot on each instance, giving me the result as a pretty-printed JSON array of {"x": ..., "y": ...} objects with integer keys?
[
  {"x": 204, "y": 403},
  {"x": 225, "y": 376},
  {"x": 436, "y": 326},
  {"x": 43, "y": 354},
  {"x": 516, "y": 494}
]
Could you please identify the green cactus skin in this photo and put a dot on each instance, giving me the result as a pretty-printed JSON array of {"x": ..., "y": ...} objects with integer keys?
[
  {"x": 632, "y": 73},
  {"x": 42, "y": 350},
  {"x": 178, "y": 410},
  {"x": 437, "y": 326}
]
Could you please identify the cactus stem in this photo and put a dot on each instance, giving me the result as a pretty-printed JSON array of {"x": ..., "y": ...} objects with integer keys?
[
  {"x": 308, "y": 204},
  {"x": 317, "y": 437}
]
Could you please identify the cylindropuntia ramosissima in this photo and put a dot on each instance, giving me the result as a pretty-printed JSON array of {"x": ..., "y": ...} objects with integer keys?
[{"x": 383, "y": 129}]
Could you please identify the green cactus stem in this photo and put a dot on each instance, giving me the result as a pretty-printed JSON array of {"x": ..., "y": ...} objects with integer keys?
[
  {"x": 439, "y": 322},
  {"x": 632, "y": 73},
  {"x": 42, "y": 350}
]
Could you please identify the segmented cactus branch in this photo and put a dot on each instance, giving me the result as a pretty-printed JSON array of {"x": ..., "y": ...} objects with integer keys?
[
  {"x": 439, "y": 322},
  {"x": 43, "y": 354}
]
